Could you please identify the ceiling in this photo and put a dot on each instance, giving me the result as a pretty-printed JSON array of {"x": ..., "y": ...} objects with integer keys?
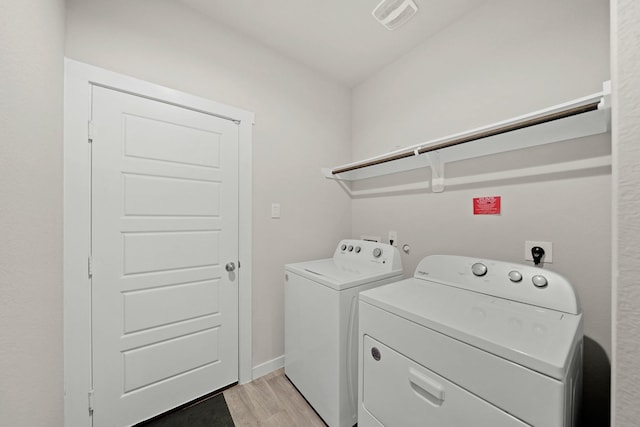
[{"x": 339, "y": 38}]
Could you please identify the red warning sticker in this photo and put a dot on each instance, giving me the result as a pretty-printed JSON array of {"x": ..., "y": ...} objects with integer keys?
[{"x": 486, "y": 205}]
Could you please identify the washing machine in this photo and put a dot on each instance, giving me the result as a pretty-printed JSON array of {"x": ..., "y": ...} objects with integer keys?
[
  {"x": 321, "y": 323},
  {"x": 470, "y": 342}
]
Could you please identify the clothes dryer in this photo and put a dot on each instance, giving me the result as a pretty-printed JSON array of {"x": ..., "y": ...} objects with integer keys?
[
  {"x": 321, "y": 323},
  {"x": 470, "y": 342}
]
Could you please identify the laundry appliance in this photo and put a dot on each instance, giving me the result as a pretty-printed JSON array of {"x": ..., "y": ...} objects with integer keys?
[
  {"x": 321, "y": 323},
  {"x": 469, "y": 342}
]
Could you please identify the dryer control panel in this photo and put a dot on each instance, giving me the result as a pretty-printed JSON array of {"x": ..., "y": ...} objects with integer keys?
[{"x": 517, "y": 282}]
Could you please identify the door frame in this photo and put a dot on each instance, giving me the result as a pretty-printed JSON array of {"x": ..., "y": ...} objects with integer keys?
[{"x": 79, "y": 78}]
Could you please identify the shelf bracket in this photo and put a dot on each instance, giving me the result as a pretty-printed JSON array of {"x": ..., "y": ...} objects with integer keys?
[{"x": 437, "y": 171}]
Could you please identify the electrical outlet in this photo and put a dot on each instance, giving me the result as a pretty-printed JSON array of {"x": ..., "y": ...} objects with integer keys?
[
  {"x": 393, "y": 238},
  {"x": 548, "y": 250}
]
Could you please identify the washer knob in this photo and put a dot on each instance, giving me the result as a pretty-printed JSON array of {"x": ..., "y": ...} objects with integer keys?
[
  {"x": 479, "y": 269},
  {"x": 539, "y": 281},
  {"x": 350, "y": 248},
  {"x": 343, "y": 247},
  {"x": 358, "y": 249},
  {"x": 377, "y": 252},
  {"x": 515, "y": 276}
]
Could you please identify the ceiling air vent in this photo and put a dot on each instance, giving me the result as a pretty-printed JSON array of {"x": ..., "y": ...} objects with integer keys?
[{"x": 394, "y": 13}]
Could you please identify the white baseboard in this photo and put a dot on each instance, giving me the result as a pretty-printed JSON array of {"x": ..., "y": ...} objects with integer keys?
[{"x": 267, "y": 367}]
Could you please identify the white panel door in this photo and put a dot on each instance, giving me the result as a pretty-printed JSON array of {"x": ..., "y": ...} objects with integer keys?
[{"x": 164, "y": 225}]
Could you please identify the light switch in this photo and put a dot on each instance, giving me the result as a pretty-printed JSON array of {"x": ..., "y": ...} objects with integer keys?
[{"x": 275, "y": 210}]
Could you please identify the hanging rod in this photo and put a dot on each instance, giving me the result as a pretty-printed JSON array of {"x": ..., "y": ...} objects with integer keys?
[{"x": 474, "y": 137}]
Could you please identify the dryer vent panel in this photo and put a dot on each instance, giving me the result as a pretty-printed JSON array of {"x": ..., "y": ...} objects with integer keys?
[{"x": 394, "y": 13}]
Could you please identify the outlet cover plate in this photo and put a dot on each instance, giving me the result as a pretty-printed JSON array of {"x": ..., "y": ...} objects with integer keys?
[{"x": 393, "y": 237}]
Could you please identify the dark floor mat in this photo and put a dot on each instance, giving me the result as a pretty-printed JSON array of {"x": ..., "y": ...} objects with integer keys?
[{"x": 212, "y": 412}]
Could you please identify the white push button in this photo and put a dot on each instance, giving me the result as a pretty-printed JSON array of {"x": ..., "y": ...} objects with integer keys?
[
  {"x": 515, "y": 276},
  {"x": 479, "y": 269},
  {"x": 539, "y": 281}
]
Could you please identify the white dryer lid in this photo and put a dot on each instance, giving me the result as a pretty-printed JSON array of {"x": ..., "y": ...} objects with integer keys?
[{"x": 540, "y": 339}]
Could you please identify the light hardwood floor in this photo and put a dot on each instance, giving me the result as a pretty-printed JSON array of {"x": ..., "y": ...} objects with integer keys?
[{"x": 270, "y": 401}]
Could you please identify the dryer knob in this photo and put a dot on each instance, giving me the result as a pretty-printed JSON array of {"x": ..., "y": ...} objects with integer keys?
[
  {"x": 539, "y": 281},
  {"x": 350, "y": 248},
  {"x": 343, "y": 247},
  {"x": 358, "y": 249},
  {"x": 377, "y": 252},
  {"x": 515, "y": 276},
  {"x": 479, "y": 269}
]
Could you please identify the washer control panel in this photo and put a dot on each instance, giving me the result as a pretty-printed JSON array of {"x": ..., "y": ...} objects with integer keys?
[
  {"x": 366, "y": 251},
  {"x": 515, "y": 282}
]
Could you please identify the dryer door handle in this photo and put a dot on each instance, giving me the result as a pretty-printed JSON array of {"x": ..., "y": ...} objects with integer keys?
[{"x": 427, "y": 388}]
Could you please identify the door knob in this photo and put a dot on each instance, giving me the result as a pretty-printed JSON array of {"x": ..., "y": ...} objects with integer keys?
[{"x": 230, "y": 266}]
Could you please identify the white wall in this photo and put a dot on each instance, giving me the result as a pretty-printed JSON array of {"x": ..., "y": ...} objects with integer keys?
[
  {"x": 472, "y": 74},
  {"x": 31, "y": 359},
  {"x": 504, "y": 59},
  {"x": 625, "y": 60},
  {"x": 302, "y": 123}
]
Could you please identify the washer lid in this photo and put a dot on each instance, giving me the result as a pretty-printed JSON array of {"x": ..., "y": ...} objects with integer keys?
[
  {"x": 538, "y": 338},
  {"x": 354, "y": 262},
  {"x": 340, "y": 274}
]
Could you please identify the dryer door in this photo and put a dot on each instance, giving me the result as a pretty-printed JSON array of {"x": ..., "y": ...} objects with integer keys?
[{"x": 399, "y": 392}]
